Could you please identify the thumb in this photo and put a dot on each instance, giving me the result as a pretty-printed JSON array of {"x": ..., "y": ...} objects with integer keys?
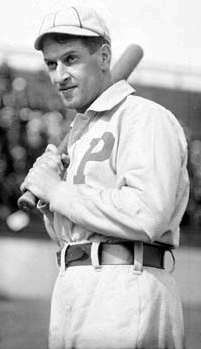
[{"x": 52, "y": 148}]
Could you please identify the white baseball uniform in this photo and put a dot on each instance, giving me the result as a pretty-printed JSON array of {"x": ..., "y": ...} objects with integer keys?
[{"x": 127, "y": 179}]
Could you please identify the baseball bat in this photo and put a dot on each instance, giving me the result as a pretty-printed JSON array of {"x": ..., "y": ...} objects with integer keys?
[
  {"x": 121, "y": 70},
  {"x": 127, "y": 63}
]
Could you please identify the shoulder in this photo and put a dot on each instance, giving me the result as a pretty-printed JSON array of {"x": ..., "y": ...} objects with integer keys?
[
  {"x": 142, "y": 108},
  {"x": 146, "y": 113},
  {"x": 141, "y": 104}
]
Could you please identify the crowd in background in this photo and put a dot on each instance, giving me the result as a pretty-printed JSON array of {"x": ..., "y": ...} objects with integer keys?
[{"x": 31, "y": 116}]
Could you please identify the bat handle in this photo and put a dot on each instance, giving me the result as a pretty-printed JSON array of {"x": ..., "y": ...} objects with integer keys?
[{"x": 27, "y": 201}]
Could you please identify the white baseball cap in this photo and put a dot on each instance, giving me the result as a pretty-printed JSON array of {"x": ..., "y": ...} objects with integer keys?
[{"x": 79, "y": 21}]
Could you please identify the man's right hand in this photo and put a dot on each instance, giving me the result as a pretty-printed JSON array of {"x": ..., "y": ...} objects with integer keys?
[{"x": 45, "y": 174}]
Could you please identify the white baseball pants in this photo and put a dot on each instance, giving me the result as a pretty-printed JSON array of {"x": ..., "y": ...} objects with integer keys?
[{"x": 115, "y": 308}]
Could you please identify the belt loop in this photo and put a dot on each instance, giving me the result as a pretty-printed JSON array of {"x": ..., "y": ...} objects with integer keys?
[
  {"x": 173, "y": 261},
  {"x": 63, "y": 259},
  {"x": 138, "y": 257},
  {"x": 94, "y": 254}
]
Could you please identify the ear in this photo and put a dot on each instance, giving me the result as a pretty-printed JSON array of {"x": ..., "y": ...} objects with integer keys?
[{"x": 105, "y": 57}]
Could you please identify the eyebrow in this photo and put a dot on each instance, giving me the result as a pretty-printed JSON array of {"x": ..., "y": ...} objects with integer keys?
[{"x": 68, "y": 53}]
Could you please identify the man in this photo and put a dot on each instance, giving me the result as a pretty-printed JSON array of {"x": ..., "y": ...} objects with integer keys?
[{"x": 119, "y": 205}]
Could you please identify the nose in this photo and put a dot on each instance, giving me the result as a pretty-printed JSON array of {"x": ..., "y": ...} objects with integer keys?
[{"x": 61, "y": 73}]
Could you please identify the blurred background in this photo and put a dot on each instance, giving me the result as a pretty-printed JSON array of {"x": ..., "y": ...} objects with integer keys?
[{"x": 32, "y": 115}]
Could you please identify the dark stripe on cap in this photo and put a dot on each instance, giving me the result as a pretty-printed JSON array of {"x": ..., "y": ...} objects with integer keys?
[{"x": 78, "y": 16}]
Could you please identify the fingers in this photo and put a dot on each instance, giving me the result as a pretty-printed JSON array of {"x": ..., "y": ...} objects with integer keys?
[
  {"x": 49, "y": 162},
  {"x": 43, "y": 165},
  {"x": 22, "y": 187},
  {"x": 39, "y": 180},
  {"x": 52, "y": 148},
  {"x": 50, "y": 158},
  {"x": 28, "y": 179}
]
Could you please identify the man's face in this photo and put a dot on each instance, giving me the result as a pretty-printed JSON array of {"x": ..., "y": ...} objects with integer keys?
[{"x": 76, "y": 73}]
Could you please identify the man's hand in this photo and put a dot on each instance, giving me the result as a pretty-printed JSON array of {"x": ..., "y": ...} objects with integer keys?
[{"x": 44, "y": 176}]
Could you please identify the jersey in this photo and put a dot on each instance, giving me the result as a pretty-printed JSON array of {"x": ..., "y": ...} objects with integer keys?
[{"x": 127, "y": 176}]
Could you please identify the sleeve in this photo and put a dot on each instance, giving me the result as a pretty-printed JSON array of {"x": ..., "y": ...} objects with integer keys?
[{"x": 148, "y": 165}]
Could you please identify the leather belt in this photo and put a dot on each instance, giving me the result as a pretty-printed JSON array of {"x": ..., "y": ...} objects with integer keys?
[{"x": 114, "y": 253}]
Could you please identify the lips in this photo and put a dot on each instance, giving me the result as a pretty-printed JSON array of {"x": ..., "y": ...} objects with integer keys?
[{"x": 66, "y": 88}]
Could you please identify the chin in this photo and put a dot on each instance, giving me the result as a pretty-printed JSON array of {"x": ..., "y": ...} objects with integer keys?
[
  {"x": 73, "y": 104},
  {"x": 68, "y": 103}
]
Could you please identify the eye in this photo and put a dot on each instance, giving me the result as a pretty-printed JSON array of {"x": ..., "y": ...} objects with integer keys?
[
  {"x": 51, "y": 65},
  {"x": 70, "y": 59}
]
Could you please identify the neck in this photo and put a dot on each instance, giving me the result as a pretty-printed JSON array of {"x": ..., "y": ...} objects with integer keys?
[{"x": 107, "y": 83}]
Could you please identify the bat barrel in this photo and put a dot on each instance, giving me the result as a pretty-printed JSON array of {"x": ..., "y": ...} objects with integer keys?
[{"x": 127, "y": 62}]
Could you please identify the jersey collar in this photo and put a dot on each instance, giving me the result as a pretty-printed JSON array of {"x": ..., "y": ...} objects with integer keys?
[{"x": 111, "y": 97}]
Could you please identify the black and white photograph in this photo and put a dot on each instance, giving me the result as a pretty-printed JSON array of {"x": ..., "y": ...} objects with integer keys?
[{"x": 100, "y": 174}]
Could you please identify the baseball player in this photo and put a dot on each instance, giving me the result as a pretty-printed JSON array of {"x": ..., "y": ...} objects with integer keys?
[{"x": 117, "y": 209}]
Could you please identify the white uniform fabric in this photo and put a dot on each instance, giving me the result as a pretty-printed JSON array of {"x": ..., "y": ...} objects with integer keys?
[
  {"x": 115, "y": 308},
  {"x": 128, "y": 160},
  {"x": 127, "y": 179}
]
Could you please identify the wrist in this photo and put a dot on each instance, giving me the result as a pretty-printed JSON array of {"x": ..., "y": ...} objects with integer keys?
[
  {"x": 54, "y": 192},
  {"x": 61, "y": 197}
]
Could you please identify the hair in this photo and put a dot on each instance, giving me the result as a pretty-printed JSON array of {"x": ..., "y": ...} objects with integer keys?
[{"x": 92, "y": 43}]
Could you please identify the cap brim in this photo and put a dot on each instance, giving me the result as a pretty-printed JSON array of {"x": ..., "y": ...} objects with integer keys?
[{"x": 64, "y": 30}]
